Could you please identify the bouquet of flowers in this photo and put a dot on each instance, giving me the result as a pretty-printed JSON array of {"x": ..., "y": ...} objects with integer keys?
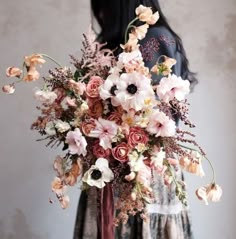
[{"x": 116, "y": 126}]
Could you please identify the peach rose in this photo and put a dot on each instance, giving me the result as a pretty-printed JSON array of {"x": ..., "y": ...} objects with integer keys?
[
  {"x": 92, "y": 88},
  {"x": 137, "y": 136},
  {"x": 99, "y": 151},
  {"x": 13, "y": 72},
  {"x": 87, "y": 126},
  {"x": 33, "y": 60},
  {"x": 120, "y": 152}
]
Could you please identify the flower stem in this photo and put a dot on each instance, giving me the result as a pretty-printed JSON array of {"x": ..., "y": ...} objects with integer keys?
[
  {"x": 128, "y": 27},
  {"x": 52, "y": 59}
]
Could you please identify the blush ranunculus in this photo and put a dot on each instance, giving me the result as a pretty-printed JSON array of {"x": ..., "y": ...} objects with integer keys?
[
  {"x": 92, "y": 89},
  {"x": 99, "y": 151},
  {"x": 88, "y": 125},
  {"x": 120, "y": 152},
  {"x": 137, "y": 136}
]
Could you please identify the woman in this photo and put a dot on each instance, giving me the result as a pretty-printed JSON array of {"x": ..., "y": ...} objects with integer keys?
[{"x": 168, "y": 218}]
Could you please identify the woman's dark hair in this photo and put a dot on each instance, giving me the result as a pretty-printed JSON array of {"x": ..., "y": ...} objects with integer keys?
[{"x": 113, "y": 16}]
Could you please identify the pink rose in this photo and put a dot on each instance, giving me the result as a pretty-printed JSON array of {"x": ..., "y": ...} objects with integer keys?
[
  {"x": 87, "y": 126},
  {"x": 92, "y": 89},
  {"x": 120, "y": 152},
  {"x": 137, "y": 136},
  {"x": 99, "y": 151}
]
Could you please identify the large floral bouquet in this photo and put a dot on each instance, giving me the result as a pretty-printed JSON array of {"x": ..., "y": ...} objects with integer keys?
[{"x": 116, "y": 126}]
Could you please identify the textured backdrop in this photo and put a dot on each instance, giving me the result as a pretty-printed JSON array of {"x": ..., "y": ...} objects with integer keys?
[{"x": 208, "y": 29}]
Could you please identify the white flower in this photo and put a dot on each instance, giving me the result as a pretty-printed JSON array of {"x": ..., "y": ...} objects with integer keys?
[
  {"x": 172, "y": 87},
  {"x": 50, "y": 128},
  {"x": 108, "y": 89},
  {"x": 45, "y": 96},
  {"x": 211, "y": 192},
  {"x": 98, "y": 174},
  {"x": 62, "y": 126},
  {"x": 141, "y": 31},
  {"x": 136, "y": 163},
  {"x": 77, "y": 142},
  {"x": 161, "y": 125},
  {"x": 106, "y": 131},
  {"x": 130, "y": 58},
  {"x": 132, "y": 91},
  {"x": 157, "y": 158}
]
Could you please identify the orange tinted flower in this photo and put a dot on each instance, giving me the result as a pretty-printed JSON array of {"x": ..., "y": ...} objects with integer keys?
[{"x": 13, "y": 72}]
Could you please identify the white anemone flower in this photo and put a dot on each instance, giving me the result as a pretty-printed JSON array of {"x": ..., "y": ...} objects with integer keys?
[
  {"x": 132, "y": 91},
  {"x": 108, "y": 89},
  {"x": 98, "y": 174}
]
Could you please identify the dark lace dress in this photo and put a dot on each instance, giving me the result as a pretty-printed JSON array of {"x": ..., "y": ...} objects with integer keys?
[{"x": 168, "y": 219}]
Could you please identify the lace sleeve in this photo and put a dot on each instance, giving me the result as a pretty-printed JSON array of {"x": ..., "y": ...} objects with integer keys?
[{"x": 159, "y": 41}]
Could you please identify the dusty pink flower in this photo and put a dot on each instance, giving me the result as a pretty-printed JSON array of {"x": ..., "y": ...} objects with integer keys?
[
  {"x": 71, "y": 102},
  {"x": 105, "y": 130},
  {"x": 137, "y": 136},
  {"x": 161, "y": 125},
  {"x": 8, "y": 89},
  {"x": 92, "y": 89},
  {"x": 33, "y": 60},
  {"x": 172, "y": 87},
  {"x": 13, "y": 72},
  {"x": 77, "y": 142},
  {"x": 99, "y": 151},
  {"x": 120, "y": 152}
]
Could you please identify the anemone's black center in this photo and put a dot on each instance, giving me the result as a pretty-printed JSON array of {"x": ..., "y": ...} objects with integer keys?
[
  {"x": 113, "y": 89},
  {"x": 96, "y": 174},
  {"x": 132, "y": 89}
]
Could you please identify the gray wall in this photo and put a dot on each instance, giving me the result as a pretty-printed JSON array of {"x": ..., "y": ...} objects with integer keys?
[{"x": 208, "y": 29}]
